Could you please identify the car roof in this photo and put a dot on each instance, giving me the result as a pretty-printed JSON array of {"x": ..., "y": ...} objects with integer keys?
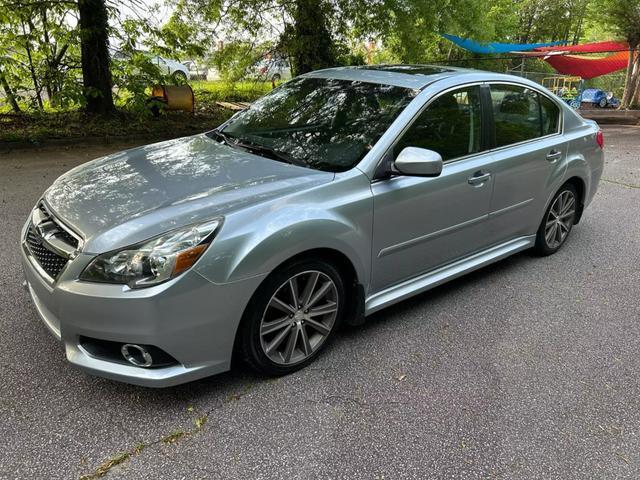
[
  {"x": 413, "y": 76},
  {"x": 408, "y": 76}
]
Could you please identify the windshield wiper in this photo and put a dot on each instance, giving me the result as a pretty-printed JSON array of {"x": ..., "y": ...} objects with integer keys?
[
  {"x": 258, "y": 149},
  {"x": 265, "y": 151},
  {"x": 226, "y": 138}
]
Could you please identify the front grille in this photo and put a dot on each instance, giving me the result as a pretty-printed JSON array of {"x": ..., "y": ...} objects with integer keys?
[
  {"x": 61, "y": 233},
  {"x": 50, "y": 259},
  {"x": 50, "y": 262}
]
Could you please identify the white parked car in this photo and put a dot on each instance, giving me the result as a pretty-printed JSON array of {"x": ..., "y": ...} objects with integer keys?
[
  {"x": 171, "y": 67},
  {"x": 196, "y": 71},
  {"x": 272, "y": 69}
]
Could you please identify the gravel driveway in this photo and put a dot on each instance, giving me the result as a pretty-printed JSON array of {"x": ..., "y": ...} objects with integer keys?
[{"x": 526, "y": 369}]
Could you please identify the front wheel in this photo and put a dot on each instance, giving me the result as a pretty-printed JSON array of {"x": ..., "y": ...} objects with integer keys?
[
  {"x": 292, "y": 316},
  {"x": 558, "y": 221},
  {"x": 602, "y": 102},
  {"x": 180, "y": 77}
]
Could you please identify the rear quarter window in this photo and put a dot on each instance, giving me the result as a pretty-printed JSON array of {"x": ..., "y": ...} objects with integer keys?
[{"x": 550, "y": 116}]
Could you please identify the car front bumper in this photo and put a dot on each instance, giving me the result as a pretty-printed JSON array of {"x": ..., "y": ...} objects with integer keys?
[{"x": 190, "y": 318}]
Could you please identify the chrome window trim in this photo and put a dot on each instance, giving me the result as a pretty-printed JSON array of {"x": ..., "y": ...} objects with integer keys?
[
  {"x": 560, "y": 132},
  {"x": 524, "y": 142}
]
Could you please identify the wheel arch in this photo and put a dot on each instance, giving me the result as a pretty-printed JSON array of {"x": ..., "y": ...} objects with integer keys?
[
  {"x": 581, "y": 188},
  {"x": 579, "y": 184},
  {"x": 346, "y": 267},
  {"x": 354, "y": 314}
]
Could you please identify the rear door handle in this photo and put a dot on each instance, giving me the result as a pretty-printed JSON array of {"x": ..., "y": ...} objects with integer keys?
[
  {"x": 479, "y": 178},
  {"x": 554, "y": 155}
]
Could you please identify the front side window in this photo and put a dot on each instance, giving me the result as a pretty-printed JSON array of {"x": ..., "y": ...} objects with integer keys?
[
  {"x": 321, "y": 123},
  {"x": 450, "y": 125},
  {"x": 522, "y": 114}
]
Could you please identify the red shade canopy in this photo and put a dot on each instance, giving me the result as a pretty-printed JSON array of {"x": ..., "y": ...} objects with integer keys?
[
  {"x": 597, "y": 47},
  {"x": 582, "y": 66},
  {"x": 588, "y": 67}
]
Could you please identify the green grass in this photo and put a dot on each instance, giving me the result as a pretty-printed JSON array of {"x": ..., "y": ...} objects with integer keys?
[{"x": 207, "y": 93}]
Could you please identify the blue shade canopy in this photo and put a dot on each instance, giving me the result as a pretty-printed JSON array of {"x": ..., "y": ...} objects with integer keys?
[{"x": 487, "y": 48}]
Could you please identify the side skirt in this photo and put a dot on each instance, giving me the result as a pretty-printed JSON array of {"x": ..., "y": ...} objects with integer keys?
[{"x": 422, "y": 283}]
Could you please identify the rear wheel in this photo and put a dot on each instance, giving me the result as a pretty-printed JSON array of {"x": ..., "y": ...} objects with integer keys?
[
  {"x": 558, "y": 221},
  {"x": 292, "y": 317}
]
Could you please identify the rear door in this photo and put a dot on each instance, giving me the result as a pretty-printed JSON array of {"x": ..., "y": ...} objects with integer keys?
[
  {"x": 528, "y": 159},
  {"x": 421, "y": 223}
]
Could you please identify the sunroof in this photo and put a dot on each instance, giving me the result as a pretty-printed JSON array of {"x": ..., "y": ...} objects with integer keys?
[{"x": 409, "y": 69}]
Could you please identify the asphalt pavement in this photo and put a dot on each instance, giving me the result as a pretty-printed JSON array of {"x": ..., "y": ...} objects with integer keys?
[{"x": 525, "y": 369}]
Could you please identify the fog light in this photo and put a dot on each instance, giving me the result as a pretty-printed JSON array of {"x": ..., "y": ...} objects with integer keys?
[{"x": 136, "y": 355}]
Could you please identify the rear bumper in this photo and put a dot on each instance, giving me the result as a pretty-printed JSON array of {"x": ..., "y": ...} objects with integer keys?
[{"x": 190, "y": 318}]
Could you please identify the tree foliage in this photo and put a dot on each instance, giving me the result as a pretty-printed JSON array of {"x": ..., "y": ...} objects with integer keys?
[{"x": 44, "y": 66}]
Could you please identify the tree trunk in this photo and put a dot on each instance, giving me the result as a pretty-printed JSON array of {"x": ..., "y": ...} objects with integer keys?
[
  {"x": 94, "y": 48},
  {"x": 32, "y": 70},
  {"x": 11, "y": 97},
  {"x": 631, "y": 79},
  {"x": 627, "y": 80},
  {"x": 312, "y": 45},
  {"x": 635, "y": 82}
]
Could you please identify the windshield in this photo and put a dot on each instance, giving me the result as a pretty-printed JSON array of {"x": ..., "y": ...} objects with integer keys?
[{"x": 321, "y": 123}]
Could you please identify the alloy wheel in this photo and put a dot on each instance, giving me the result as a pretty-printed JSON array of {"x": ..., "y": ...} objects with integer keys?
[
  {"x": 299, "y": 317},
  {"x": 560, "y": 219}
]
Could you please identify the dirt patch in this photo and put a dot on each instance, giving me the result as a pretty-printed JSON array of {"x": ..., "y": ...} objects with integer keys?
[{"x": 23, "y": 131}]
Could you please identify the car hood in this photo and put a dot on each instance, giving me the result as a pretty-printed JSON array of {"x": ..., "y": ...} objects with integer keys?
[{"x": 136, "y": 194}]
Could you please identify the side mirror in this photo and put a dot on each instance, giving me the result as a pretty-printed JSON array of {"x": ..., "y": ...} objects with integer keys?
[{"x": 419, "y": 162}]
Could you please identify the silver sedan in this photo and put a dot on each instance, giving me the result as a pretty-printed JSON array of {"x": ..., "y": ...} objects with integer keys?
[{"x": 337, "y": 194}]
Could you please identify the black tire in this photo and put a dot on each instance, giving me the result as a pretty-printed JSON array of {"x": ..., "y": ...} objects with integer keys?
[
  {"x": 276, "y": 77},
  {"x": 602, "y": 103},
  {"x": 544, "y": 246},
  {"x": 250, "y": 339},
  {"x": 180, "y": 77}
]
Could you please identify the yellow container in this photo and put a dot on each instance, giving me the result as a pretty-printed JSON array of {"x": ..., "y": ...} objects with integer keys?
[{"x": 175, "y": 97}]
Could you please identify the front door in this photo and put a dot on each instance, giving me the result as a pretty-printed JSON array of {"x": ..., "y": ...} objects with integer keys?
[{"x": 422, "y": 223}]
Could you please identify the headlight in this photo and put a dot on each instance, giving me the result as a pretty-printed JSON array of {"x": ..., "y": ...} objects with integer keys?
[{"x": 153, "y": 261}]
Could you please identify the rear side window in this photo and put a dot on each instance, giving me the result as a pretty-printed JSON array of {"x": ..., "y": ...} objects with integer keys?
[
  {"x": 516, "y": 114},
  {"x": 522, "y": 114},
  {"x": 450, "y": 125}
]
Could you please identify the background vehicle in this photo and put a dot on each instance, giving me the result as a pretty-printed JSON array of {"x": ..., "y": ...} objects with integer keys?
[
  {"x": 600, "y": 98},
  {"x": 196, "y": 71},
  {"x": 271, "y": 68},
  {"x": 568, "y": 88},
  {"x": 342, "y": 192},
  {"x": 171, "y": 67}
]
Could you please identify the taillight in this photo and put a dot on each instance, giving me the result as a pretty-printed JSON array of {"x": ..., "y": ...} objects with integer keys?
[{"x": 600, "y": 139}]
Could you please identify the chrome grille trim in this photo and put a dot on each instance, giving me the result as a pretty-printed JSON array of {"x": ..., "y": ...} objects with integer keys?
[
  {"x": 49, "y": 244},
  {"x": 64, "y": 229}
]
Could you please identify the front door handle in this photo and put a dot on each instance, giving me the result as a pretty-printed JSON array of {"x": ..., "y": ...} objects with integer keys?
[
  {"x": 479, "y": 178},
  {"x": 554, "y": 155}
]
